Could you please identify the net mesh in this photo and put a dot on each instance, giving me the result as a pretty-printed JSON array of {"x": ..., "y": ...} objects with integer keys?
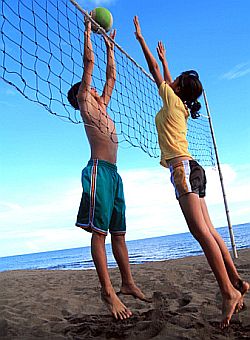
[{"x": 41, "y": 56}]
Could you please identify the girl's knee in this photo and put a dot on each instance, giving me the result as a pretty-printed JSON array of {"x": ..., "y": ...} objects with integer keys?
[{"x": 200, "y": 231}]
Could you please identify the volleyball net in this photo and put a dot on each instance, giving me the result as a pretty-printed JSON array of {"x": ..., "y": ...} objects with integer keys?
[{"x": 42, "y": 57}]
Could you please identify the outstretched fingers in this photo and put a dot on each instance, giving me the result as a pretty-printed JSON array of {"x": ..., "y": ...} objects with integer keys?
[
  {"x": 113, "y": 34},
  {"x": 87, "y": 24},
  {"x": 137, "y": 27},
  {"x": 108, "y": 42},
  {"x": 161, "y": 51}
]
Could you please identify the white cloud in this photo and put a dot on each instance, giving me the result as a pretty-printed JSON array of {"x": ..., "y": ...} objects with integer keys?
[
  {"x": 7, "y": 91},
  {"x": 239, "y": 70},
  {"x": 151, "y": 204},
  {"x": 90, "y": 4},
  {"x": 51, "y": 239},
  {"x": 152, "y": 210},
  {"x": 55, "y": 211}
]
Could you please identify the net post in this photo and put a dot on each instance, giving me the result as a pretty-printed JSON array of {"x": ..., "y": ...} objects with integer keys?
[{"x": 230, "y": 228}]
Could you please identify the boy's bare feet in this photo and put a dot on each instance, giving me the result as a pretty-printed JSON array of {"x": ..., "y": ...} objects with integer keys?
[
  {"x": 228, "y": 308},
  {"x": 132, "y": 289},
  {"x": 114, "y": 304}
]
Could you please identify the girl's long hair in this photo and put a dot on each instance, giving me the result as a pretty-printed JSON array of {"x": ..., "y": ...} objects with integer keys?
[{"x": 190, "y": 91}]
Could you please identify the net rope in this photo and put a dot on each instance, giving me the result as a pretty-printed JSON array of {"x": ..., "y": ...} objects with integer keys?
[{"x": 42, "y": 57}]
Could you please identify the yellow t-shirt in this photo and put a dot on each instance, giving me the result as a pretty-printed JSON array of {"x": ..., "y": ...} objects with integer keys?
[{"x": 171, "y": 124}]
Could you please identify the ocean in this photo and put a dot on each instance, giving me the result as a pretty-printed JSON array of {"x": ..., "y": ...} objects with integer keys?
[{"x": 140, "y": 251}]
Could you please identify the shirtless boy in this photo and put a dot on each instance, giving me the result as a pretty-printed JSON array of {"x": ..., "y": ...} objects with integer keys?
[{"x": 102, "y": 206}]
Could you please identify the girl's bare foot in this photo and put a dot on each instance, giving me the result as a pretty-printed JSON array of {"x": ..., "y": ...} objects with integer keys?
[
  {"x": 228, "y": 308},
  {"x": 114, "y": 304},
  {"x": 243, "y": 288},
  {"x": 132, "y": 289}
]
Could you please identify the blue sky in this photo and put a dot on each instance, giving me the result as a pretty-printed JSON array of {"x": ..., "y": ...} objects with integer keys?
[{"x": 41, "y": 156}]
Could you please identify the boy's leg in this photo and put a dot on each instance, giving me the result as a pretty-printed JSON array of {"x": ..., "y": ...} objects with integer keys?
[
  {"x": 238, "y": 283},
  {"x": 120, "y": 252},
  {"x": 117, "y": 308},
  {"x": 192, "y": 210}
]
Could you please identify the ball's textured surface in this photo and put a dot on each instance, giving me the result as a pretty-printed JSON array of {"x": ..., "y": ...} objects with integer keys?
[{"x": 103, "y": 17}]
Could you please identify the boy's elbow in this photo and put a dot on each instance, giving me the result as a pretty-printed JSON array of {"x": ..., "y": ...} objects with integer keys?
[
  {"x": 111, "y": 71},
  {"x": 88, "y": 61},
  {"x": 111, "y": 81}
]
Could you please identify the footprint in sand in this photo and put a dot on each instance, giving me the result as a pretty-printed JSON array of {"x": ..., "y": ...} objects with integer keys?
[
  {"x": 185, "y": 300},
  {"x": 160, "y": 301},
  {"x": 187, "y": 305}
]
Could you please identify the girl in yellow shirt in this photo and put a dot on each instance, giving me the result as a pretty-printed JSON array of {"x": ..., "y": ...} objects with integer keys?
[{"x": 188, "y": 177}]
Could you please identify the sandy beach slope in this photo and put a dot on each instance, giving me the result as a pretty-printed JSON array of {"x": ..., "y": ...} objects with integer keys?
[{"x": 42, "y": 304}]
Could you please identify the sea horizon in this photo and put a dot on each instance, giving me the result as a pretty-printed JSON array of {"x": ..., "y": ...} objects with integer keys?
[{"x": 158, "y": 248}]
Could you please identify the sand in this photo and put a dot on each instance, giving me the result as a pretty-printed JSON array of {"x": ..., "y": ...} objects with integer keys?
[{"x": 43, "y": 304}]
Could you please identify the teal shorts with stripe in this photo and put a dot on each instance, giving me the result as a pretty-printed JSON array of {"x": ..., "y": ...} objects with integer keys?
[{"x": 102, "y": 206}]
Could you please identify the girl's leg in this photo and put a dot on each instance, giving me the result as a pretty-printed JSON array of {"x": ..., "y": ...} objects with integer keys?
[
  {"x": 192, "y": 210},
  {"x": 117, "y": 308},
  {"x": 233, "y": 274},
  {"x": 120, "y": 252}
]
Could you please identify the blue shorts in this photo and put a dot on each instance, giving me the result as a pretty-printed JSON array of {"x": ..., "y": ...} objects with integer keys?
[
  {"x": 102, "y": 206},
  {"x": 188, "y": 176}
]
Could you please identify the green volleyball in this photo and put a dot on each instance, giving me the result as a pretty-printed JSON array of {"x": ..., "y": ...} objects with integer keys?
[{"x": 103, "y": 17}]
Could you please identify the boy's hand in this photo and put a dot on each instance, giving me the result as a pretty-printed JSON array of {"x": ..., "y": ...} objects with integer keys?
[
  {"x": 87, "y": 24},
  {"x": 108, "y": 42},
  {"x": 161, "y": 51},
  {"x": 138, "y": 33}
]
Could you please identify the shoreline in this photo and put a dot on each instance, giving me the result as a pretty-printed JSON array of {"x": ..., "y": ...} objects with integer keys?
[{"x": 66, "y": 304}]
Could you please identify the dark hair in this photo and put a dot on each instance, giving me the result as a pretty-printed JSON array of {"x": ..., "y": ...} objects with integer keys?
[
  {"x": 72, "y": 95},
  {"x": 190, "y": 90}
]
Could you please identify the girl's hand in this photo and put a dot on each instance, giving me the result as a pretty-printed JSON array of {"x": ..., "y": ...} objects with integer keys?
[
  {"x": 138, "y": 33},
  {"x": 161, "y": 51}
]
